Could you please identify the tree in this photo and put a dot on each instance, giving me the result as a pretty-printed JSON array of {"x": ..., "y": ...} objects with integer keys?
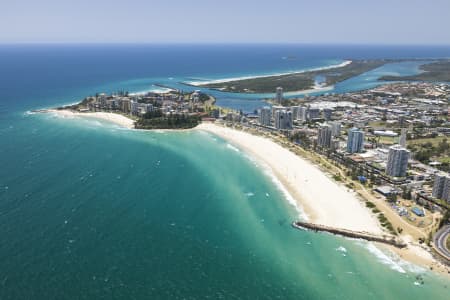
[
  {"x": 153, "y": 114},
  {"x": 423, "y": 156},
  {"x": 427, "y": 145},
  {"x": 392, "y": 197},
  {"x": 443, "y": 146},
  {"x": 406, "y": 194}
]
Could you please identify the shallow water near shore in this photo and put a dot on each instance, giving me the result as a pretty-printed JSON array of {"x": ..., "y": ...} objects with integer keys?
[
  {"x": 89, "y": 209},
  {"x": 116, "y": 212}
]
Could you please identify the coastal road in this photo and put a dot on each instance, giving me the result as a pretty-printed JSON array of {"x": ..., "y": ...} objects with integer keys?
[{"x": 440, "y": 239}]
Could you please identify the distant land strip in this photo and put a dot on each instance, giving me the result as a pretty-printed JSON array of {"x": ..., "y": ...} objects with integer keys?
[
  {"x": 436, "y": 71},
  {"x": 306, "y": 80}
]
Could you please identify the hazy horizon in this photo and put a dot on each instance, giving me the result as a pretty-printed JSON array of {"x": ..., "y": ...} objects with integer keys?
[
  {"x": 162, "y": 43},
  {"x": 348, "y": 22}
]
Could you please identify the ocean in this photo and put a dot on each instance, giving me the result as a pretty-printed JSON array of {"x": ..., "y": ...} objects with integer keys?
[{"x": 89, "y": 210}]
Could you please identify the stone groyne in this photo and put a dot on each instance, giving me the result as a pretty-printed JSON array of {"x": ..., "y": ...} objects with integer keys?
[{"x": 385, "y": 239}]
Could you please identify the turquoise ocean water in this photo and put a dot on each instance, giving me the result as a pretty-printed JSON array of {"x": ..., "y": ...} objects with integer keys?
[{"x": 92, "y": 211}]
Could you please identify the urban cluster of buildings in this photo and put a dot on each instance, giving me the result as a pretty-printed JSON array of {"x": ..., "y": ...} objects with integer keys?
[
  {"x": 283, "y": 118},
  {"x": 350, "y": 126},
  {"x": 173, "y": 102},
  {"x": 328, "y": 134},
  {"x": 353, "y": 125}
]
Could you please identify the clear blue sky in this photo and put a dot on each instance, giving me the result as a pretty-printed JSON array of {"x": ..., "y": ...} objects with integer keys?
[{"x": 216, "y": 21}]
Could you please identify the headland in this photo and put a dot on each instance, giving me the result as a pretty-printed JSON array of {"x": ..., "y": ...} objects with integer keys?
[{"x": 170, "y": 110}]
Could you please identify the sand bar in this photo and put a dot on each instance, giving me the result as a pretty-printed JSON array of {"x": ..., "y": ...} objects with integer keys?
[{"x": 224, "y": 80}]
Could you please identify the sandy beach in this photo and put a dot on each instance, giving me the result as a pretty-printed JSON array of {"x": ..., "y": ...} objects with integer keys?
[
  {"x": 118, "y": 119},
  {"x": 323, "y": 200},
  {"x": 201, "y": 83}
]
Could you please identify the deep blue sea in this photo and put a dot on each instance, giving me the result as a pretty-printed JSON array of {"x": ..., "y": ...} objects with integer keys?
[{"x": 89, "y": 210}]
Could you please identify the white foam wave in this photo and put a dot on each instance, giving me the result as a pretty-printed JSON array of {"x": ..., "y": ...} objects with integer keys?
[
  {"x": 161, "y": 131},
  {"x": 153, "y": 89},
  {"x": 229, "y": 146},
  {"x": 382, "y": 257},
  {"x": 392, "y": 258},
  {"x": 410, "y": 267},
  {"x": 97, "y": 123},
  {"x": 341, "y": 249},
  {"x": 160, "y": 90},
  {"x": 55, "y": 114},
  {"x": 269, "y": 173}
]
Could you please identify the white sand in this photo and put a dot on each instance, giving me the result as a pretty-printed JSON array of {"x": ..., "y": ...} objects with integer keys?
[
  {"x": 315, "y": 89},
  {"x": 325, "y": 201},
  {"x": 224, "y": 80},
  {"x": 110, "y": 117}
]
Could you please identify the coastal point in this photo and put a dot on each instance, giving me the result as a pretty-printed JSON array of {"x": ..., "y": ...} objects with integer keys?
[{"x": 179, "y": 150}]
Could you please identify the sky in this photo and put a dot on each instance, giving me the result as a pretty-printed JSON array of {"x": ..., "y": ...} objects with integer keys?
[{"x": 226, "y": 21}]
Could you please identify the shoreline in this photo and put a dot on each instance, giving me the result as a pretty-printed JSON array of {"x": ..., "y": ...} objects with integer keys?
[
  {"x": 225, "y": 80},
  {"x": 315, "y": 193},
  {"x": 115, "y": 118},
  {"x": 306, "y": 183},
  {"x": 314, "y": 89},
  {"x": 309, "y": 193}
]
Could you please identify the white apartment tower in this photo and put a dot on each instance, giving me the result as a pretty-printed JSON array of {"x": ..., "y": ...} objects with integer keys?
[
  {"x": 283, "y": 119},
  {"x": 355, "y": 140},
  {"x": 265, "y": 114},
  {"x": 324, "y": 136},
  {"x": 302, "y": 113},
  {"x": 397, "y": 163},
  {"x": 335, "y": 128},
  {"x": 279, "y": 95},
  {"x": 441, "y": 187}
]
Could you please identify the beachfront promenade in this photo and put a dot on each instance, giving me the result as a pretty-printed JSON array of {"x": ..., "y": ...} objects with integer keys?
[{"x": 385, "y": 239}]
